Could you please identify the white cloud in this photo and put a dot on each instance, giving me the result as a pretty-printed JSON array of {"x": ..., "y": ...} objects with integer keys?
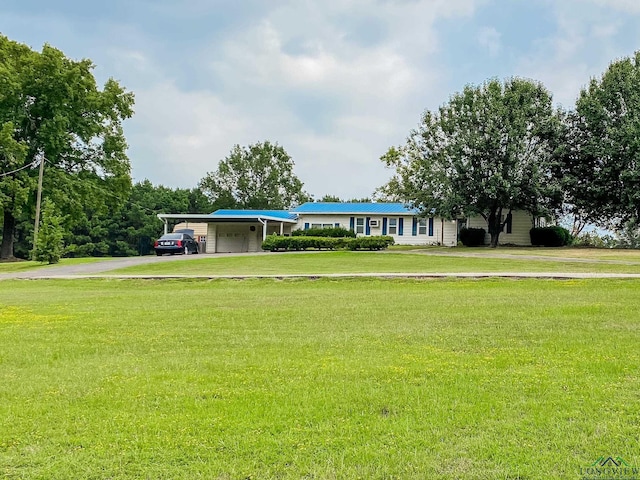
[
  {"x": 582, "y": 47},
  {"x": 489, "y": 38},
  {"x": 630, "y": 6}
]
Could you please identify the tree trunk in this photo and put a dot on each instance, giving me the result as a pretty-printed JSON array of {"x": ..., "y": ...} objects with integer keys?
[
  {"x": 8, "y": 227},
  {"x": 495, "y": 226}
]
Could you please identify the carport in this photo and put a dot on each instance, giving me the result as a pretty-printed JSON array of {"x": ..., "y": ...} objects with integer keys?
[{"x": 237, "y": 230}]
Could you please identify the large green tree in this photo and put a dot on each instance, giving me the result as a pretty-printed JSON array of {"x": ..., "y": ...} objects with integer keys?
[
  {"x": 488, "y": 151},
  {"x": 602, "y": 169},
  {"x": 52, "y": 111},
  {"x": 258, "y": 176}
]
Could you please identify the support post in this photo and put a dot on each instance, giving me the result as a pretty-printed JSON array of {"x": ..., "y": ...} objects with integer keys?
[{"x": 38, "y": 200}]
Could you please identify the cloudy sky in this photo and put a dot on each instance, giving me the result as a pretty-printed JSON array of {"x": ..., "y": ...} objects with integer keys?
[{"x": 335, "y": 82}]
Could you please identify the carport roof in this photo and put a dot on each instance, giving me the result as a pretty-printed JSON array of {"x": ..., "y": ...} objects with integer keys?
[
  {"x": 237, "y": 216},
  {"x": 255, "y": 215}
]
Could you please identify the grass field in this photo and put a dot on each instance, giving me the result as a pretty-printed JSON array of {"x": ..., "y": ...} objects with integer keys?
[
  {"x": 324, "y": 379},
  {"x": 361, "y": 262},
  {"x": 558, "y": 252},
  {"x": 24, "y": 265}
]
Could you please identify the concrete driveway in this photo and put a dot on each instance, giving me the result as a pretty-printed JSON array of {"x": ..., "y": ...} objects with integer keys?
[{"x": 106, "y": 265}]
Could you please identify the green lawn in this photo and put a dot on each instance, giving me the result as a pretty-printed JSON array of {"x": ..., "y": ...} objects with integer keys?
[
  {"x": 362, "y": 262},
  {"x": 560, "y": 252},
  {"x": 323, "y": 379},
  {"x": 24, "y": 265}
]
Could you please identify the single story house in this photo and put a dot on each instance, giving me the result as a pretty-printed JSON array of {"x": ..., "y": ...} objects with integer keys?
[{"x": 244, "y": 230}]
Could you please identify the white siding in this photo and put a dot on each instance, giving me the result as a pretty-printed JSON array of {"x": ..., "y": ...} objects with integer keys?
[
  {"x": 211, "y": 238},
  {"x": 520, "y": 225},
  {"x": 450, "y": 236},
  {"x": 199, "y": 229},
  {"x": 407, "y": 237}
]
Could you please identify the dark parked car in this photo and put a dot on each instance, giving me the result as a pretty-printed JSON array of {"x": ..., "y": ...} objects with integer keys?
[{"x": 176, "y": 243}]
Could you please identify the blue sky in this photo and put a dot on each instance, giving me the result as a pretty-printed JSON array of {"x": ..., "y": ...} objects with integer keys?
[{"x": 336, "y": 83}]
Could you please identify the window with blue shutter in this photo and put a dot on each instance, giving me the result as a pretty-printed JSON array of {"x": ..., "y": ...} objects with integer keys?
[
  {"x": 306, "y": 226},
  {"x": 431, "y": 226},
  {"x": 367, "y": 227},
  {"x": 384, "y": 225},
  {"x": 400, "y": 226},
  {"x": 393, "y": 226},
  {"x": 414, "y": 226}
]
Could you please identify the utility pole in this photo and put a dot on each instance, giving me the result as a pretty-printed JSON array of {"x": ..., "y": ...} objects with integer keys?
[{"x": 38, "y": 198}]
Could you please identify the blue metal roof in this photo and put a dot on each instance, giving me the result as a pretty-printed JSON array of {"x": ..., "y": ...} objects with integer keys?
[
  {"x": 378, "y": 208},
  {"x": 268, "y": 214}
]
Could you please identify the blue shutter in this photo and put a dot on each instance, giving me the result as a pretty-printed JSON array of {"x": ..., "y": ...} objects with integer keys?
[
  {"x": 384, "y": 225},
  {"x": 367, "y": 228},
  {"x": 431, "y": 227},
  {"x": 509, "y": 223},
  {"x": 401, "y": 226},
  {"x": 352, "y": 224},
  {"x": 414, "y": 226},
  {"x": 306, "y": 226},
  {"x": 337, "y": 225}
]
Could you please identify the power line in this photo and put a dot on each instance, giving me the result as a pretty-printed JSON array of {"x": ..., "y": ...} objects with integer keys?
[{"x": 32, "y": 164}]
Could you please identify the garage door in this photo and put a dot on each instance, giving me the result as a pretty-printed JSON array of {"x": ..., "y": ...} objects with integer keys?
[{"x": 232, "y": 242}]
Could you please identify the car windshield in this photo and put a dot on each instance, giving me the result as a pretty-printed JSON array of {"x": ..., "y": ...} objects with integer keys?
[{"x": 171, "y": 236}]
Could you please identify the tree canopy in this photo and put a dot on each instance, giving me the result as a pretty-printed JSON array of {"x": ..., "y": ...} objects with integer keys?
[
  {"x": 52, "y": 111},
  {"x": 490, "y": 150},
  {"x": 258, "y": 176},
  {"x": 602, "y": 168}
]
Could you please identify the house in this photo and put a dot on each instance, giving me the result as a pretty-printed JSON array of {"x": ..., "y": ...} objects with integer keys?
[
  {"x": 393, "y": 219},
  {"x": 244, "y": 230}
]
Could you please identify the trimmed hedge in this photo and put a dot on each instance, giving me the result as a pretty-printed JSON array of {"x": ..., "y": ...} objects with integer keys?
[
  {"x": 370, "y": 243},
  {"x": 472, "y": 237},
  {"x": 333, "y": 232},
  {"x": 550, "y": 236},
  {"x": 277, "y": 243}
]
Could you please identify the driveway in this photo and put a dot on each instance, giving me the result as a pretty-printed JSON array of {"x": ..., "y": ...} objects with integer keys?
[{"x": 106, "y": 265}]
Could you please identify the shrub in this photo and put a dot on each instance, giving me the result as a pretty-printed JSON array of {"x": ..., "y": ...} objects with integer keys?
[
  {"x": 49, "y": 246},
  {"x": 592, "y": 239},
  {"x": 277, "y": 243},
  {"x": 370, "y": 243},
  {"x": 550, "y": 236},
  {"x": 334, "y": 232},
  {"x": 472, "y": 237}
]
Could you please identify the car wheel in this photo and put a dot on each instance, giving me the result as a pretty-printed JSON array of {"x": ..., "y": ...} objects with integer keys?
[{"x": 186, "y": 250}]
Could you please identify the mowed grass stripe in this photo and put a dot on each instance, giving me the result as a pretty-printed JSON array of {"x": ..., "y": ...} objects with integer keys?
[
  {"x": 317, "y": 379},
  {"x": 363, "y": 262}
]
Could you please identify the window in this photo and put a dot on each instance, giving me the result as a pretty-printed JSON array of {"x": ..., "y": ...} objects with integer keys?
[
  {"x": 322, "y": 225},
  {"x": 422, "y": 226},
  {"x": 360, "y": 225},
  {"x": 393, "y": 226}
]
